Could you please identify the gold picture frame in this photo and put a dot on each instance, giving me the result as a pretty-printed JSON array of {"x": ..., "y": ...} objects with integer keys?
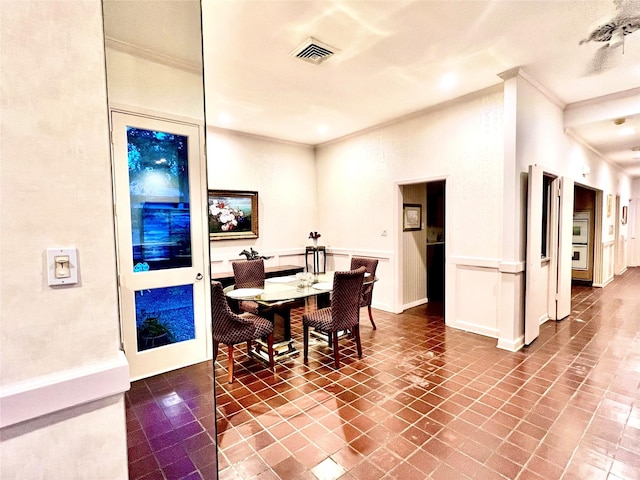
[{"x": 233, "y": 214}]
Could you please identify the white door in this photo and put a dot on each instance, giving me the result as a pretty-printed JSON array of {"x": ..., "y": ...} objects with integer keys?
[
  {"x": 549, "y": 234},
  {"x": 535, "y": 299},
  {"x": 564, "y": 253},
  {"x": 161, "y": 256}
]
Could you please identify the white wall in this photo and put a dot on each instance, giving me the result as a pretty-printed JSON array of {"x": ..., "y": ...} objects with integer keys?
[
  {"x": 284, "y": 176},
  {"x": 141, "y": 85},
  {"x": 56, "y": 191},
  {"x": 359, "y": 180},
  {"x": 544, "y": 142},
  {"x": 540, "y": 139},
  {"x": 633, "y": 225}
]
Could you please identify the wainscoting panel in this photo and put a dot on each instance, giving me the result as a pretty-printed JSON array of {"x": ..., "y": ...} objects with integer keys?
[
  {"x": 477, "y": 295},
  {"x": 608, "y": 262}
]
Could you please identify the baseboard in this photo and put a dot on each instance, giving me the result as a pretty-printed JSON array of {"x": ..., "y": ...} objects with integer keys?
[
  {"x": 511, "y": 345},
  {"x": 415, "y": 303}
]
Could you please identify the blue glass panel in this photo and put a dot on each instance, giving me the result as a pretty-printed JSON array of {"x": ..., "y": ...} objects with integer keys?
[
  {"x": 164, "y": 315},
  {"x": 159, "y": 194}
]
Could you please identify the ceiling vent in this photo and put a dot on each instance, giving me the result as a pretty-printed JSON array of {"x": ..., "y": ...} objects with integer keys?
[{"x": 314, "y": 51}]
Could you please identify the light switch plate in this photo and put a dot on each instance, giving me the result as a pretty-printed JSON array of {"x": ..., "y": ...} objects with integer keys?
[{"x": 69, "y": 277}]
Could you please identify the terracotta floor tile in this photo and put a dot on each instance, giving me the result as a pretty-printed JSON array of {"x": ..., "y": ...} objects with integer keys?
[{"x": 424, "y": 400}]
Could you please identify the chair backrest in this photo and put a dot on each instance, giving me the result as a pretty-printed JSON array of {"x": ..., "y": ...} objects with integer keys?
[
  {"x": 371, "y": 264},
  {"x": 249, "y": 273},
  {"x": 224, "y": 320},
  {"x": 345, "y": 298}
]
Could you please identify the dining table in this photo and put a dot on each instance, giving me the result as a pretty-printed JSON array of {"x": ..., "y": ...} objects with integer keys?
[{"x": 281, "y": 294}]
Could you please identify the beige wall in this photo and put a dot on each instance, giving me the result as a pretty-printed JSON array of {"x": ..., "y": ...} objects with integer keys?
[
  {"x": 56, "y": 192},
  {"x": 359, "y": 181},
  {"x": 284, "y": 176}
]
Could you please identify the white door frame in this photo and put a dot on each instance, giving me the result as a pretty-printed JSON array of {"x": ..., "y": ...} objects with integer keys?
[
  {"x": 449, "y": 297},
  {"x": 555, "y": 302},
  {"x": 169, "y": 357}
]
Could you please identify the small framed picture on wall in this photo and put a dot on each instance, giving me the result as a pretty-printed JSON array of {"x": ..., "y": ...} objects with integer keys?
[{"x": 411, "y": 217}]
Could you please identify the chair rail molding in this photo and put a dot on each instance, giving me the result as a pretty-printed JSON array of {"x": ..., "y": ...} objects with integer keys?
[{"x": 47, "y": 394}]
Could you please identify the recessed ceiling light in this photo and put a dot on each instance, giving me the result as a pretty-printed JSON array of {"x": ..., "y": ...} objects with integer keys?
[
  {"x": 322, "y": 129},
  {"x": 449, "y": 80},
  {"x": 626, "y": 131},
  {"x": 224, "y": 118}
]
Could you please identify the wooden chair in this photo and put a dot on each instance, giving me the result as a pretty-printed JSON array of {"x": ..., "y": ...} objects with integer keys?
[
  {"x": 342, "y": 314},
  {"x": 371, "y": 264},
  {"x": 230, "y": 328}
]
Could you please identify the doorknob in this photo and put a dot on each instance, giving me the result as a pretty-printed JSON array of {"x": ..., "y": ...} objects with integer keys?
[{"x": 199, "y": 276}]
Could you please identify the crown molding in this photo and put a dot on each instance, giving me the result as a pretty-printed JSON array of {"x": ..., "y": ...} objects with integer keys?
[
  {"x": 519, "y": 72},
  {"x": 152, "y": 55}
]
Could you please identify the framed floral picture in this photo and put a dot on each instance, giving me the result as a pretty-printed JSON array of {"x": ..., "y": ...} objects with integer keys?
[{"x": 233, "y": 214}]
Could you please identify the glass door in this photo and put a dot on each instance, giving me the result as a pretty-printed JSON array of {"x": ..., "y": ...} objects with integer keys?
[{"x": 161, "y": 259}]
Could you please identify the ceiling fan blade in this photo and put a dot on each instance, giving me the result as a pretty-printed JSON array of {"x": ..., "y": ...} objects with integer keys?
[
  {"x": 599, "y": 61},
  {"x": 628, "y": 8}
]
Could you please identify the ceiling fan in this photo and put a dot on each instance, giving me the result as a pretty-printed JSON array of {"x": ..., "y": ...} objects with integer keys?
[{"x": 611, "y": 32}]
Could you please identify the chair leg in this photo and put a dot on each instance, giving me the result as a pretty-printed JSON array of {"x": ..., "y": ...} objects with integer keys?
[
  {"x": 371, "y": 317},
  {"x": 336, "y": 350},
  {"x": 249, "y": 352},
  {"x": 230, "y": 366},
  {"x": 305, "y": 332},
  {"x": 356, "y": 332},
  {"x": 270, "y": 350},
  {"x": 216, "y": 347}
]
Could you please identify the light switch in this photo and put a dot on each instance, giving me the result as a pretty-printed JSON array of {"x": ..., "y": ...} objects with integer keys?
[
  {"x": 62, "y": 269},
  {"x": 62, "y": 266}
]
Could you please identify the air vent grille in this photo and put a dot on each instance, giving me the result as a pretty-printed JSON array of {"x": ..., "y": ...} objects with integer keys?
[{"x": 314, "y": 51}]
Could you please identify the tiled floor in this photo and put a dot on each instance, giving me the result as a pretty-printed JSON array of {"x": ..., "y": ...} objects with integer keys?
[{"x": 425, "y": 401}]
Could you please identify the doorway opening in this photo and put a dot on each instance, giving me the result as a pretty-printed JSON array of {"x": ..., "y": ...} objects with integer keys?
[
  {"x": 423, "y": 248},
  {"x": 435, "y": 226},
  {"x": 582, "y": 251}
]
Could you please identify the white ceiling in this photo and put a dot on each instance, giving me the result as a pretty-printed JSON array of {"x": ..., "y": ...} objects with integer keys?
[{"x": 392, "y": 58}]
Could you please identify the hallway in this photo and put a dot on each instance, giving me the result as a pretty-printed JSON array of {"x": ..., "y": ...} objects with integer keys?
[{"x": 425, "y": 401}]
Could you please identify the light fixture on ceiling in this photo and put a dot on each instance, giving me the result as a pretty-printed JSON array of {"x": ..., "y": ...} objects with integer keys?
[
  {"x": 636, "y": 150},
  {"x": 449, "y": 80},
  {"x": 619, "y": 121}
]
